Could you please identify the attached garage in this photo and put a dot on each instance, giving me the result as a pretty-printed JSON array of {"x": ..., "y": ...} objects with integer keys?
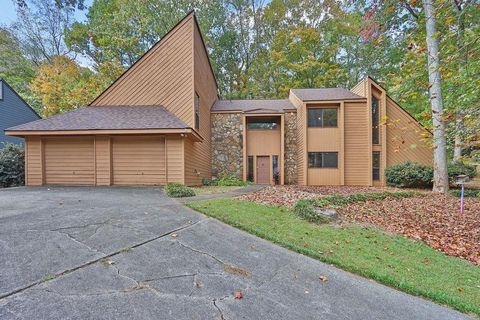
[
  {"x": 69, "y": 160},
  {"x": 139, "y": 160},
  {"x": 107, "y": 145}
]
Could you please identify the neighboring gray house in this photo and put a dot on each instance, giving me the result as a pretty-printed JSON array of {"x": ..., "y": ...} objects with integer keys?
[{"x": 13, "y": 111}]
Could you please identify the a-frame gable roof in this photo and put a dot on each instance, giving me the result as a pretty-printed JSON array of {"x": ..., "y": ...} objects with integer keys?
[
  {"x": 164, "y": 75},
  {"x": 189, "y": 17}
]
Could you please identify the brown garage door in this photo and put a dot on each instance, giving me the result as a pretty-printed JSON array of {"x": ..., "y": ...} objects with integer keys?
[
  {"x": 139, "y": 160},
  {"x": 69, "y": 160}
]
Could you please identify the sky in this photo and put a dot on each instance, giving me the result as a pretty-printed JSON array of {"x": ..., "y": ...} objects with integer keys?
[{"x": 8, "y": 15}]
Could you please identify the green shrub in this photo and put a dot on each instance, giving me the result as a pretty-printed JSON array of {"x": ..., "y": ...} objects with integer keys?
[
  {"x": 305, "y": 209},
  {"x": 230, "y": 180},
  {"x": 409, "y": 175},
  {"x": 208, "y": 182},
  {"x": 458, "y": 168},
  {"x": 467, "y": 193},
  {"x": 176, "y": 190},
  {"x": 12, "y": 165}
]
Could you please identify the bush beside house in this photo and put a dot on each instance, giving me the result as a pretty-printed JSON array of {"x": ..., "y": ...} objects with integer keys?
[
  {"x": 176, "y": 190},
  {"x": 12, "y": 165}
]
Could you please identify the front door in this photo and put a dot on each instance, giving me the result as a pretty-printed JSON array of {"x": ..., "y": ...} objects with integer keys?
[{"x": 263, "y": 169}]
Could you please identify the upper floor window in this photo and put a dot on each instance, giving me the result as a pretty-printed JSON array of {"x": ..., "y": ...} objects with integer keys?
[
  {"x": 322, "y": 117},
  {"x": 262, "y": 123},
  {"x": 375, "y": 120},
  {"x": 197, "y": 111},
  {"x": 323, "y": 159}
]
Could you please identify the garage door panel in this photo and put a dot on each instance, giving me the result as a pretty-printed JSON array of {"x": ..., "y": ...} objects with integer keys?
[
  {"x": 69, "y": 160},
  {"x": 139, "y": 160}
]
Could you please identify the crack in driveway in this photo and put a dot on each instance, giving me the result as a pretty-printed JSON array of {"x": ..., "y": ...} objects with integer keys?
[{"x": 68, "y": 271}]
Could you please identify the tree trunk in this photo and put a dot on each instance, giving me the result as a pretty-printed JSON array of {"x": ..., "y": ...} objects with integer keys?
[
  {"x": 458, "y": 147},
  {"x": 440, "y": 175}
]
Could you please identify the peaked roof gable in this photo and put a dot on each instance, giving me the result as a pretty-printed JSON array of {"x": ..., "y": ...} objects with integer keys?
[
  {"x": 6, "y": 89},
  {"x": 164, "y": 75}
]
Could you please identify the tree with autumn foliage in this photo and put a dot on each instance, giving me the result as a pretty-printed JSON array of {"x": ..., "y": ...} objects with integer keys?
[{"x": 63, "y": 85}]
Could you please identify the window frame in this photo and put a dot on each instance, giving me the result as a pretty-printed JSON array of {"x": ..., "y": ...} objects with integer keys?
[
  {"x": 197, "y": 111},
  {"x": 323, "y": 109},
  {"x": 322, "y": 161},
  {"x": 375, "y": 112}
]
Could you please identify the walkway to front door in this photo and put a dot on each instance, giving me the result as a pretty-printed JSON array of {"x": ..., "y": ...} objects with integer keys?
[{"x": 263, "y": 169}]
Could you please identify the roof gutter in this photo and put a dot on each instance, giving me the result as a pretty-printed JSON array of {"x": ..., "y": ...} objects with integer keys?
[{"x": 187, "y": 131}]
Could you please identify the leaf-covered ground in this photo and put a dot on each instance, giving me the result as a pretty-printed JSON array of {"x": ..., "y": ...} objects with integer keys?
[
  {"x": 286, "y": 196},
  {"x": 434, "y": 219}
]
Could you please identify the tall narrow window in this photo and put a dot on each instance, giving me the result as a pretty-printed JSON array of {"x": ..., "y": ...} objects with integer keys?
[
  {"x": 275, "y": 170},
  {"x": 197, "y": 111},
  {"x": 250, "y": 169},
  {"x": 376, "y": 165},
  {"x": 375, "y": 121}
]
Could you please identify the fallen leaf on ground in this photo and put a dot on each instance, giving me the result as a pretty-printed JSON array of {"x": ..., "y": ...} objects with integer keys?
[
  {"x": 238, "y": 295},
  {"x": 323, "y": 278}
]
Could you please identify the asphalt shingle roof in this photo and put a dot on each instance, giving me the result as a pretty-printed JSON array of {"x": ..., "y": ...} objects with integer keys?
[
  {"x": 276, "y": 105},
  {"x": 107, "y": 118},
  {"x": 325, "y": 94}
]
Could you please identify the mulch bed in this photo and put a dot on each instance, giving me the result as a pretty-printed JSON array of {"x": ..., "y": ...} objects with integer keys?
[
  {"x": 434, "y": 219},
  {"x": 287, "y": 195}
]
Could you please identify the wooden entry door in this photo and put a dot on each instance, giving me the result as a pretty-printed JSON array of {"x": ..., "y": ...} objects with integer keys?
[{"x": 263, "y": 169}]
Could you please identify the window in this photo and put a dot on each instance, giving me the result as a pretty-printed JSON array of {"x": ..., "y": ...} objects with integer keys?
[
  {"x": 323, "y": 159},
  {"x": 322, "y": 118},
  {"x": 250, "y": 169},
  {"x": 376, "y": 165},
  {"x": 275, "y": 170},
  {"x": 375, "y": 121},
  {"x": 262, "y": 123},
  {"x": 1, "y": 90},
  {"x": 197, "y": 111}
]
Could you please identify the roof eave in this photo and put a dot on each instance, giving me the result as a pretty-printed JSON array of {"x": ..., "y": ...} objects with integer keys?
[{"x": 189, "y": 132}]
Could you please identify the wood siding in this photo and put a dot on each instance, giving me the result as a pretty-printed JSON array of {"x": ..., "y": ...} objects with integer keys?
[
  {"x": 361, "y": 88},
  {"x": 406, "y": 137},
  {"x": 263, "y": 142},
  {"x": 323, "y": 139},
  {"x": 357, "y": 141},
  {"x": 163, "y": 76},
  {"x": 175, "y": 159},
  {"x": 33, "y": 161},
  {"x": 69, "y": 160},
  {"x": 139, "y": 160},
  {"x": 198, "y": 160},
  {"x": 103, "y": 160},
  {"x": 324, "y": 176}
]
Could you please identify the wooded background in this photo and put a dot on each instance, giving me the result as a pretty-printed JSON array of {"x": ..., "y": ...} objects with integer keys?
[{"x": 258, "y": 48}]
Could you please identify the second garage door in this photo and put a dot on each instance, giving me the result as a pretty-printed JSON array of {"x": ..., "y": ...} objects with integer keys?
[{"x": 139, "y": 160}]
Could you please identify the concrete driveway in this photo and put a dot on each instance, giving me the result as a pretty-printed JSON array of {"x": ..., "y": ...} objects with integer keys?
[{"x": 132, "y": 253}]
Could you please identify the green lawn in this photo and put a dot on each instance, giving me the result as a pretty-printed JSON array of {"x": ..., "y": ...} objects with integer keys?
[
  {"x": 410, "y": 266},
  {"x": 213, "y": 189}
]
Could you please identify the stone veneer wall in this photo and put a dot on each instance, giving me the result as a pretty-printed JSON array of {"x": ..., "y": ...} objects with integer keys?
[
  {"x": 290, "y": 148},
  {"x": 227, "y": 142}
]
